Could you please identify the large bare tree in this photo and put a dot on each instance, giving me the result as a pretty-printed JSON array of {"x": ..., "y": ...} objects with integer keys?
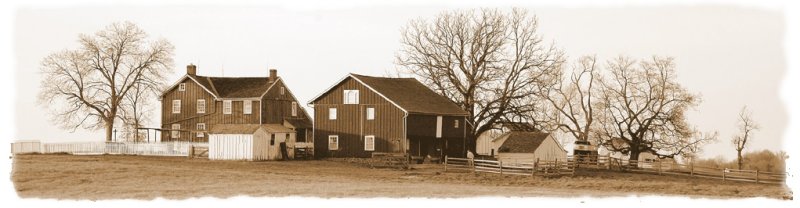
[
  {"x": 487, "y": 61},
  {"x": 571, "y": 95},
  {"x": 642, "y": 108},
  {"x": 746, "y": 126},
  {"x": 87, "y": 86}
]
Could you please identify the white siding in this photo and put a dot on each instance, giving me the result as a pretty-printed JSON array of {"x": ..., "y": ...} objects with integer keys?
[
  {"x": 549, "y": 150},
  {"x": 230, "y": 147}
]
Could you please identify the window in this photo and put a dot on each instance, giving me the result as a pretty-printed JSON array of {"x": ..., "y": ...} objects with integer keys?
[
  {"x": 248, "y": 107},
  {"x": 455, "y": 124},
  {"x": 287, "y": 137},
  {"x": 351, "y": 97},
  {"x": 370, "y": 113},
  {"x": 333, "y": 142},
  {"x": 369, "y": 143},
  {"x": 272, "y": 140},
  {"x": 176, "y": 106},
  {"x": 438, "y": 127},
  {"x": 283, "y": 90},
  {"x": 176, "y": 134},
  {"x": 182, "y": 87},
  {"x": 201, "y": 106},
  {"x": 201, "y": 127},
  {"x": 331, "y": 113},
  {"x": 294, "y": 108},
  {"x": 226, "y": 107}
]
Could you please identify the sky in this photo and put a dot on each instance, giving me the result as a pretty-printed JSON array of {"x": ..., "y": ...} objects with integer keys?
[{"x": 731, "y": 55}]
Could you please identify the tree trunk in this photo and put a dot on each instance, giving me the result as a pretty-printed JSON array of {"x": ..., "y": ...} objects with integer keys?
[
  {"x": 739, "y": 158},
  {"x": 109, "y": 130}
]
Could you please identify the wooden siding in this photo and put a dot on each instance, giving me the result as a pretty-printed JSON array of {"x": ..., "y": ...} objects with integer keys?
[
  {"x": 278, "y": 106},
  {"x": 351, "y": 125},
  {"x": 188, "y": 117}
]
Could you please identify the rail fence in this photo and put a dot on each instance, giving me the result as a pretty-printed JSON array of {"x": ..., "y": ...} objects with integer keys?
[
  {"x": 119, "y": 148},
  {"x": 671, "y": 168},
  {"x": 544, "y": 168}
]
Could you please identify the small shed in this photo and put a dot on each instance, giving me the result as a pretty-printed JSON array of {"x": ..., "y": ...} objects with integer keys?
[
  {"x": 527, "y": 147},
  {"x": 253, "y": 142}
]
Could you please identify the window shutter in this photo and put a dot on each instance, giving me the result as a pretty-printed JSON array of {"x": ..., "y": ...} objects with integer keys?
[{"x": 226, "y": 107}]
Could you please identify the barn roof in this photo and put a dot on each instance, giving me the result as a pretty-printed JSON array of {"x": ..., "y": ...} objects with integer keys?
[
  {"x": 247, "y": 128},
  {"x": 407, "y": 93},
  {"x": 522, "y": 141},
  {"x": 234, "y": 87}
]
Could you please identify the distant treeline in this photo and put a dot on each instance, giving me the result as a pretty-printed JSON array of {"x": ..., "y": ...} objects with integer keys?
[{"x": 763, "y": 160}]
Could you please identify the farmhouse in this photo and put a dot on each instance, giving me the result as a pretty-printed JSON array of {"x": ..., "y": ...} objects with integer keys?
[
  {"x": 528, "y": 146},
  {"x": 360, "y": 115},
  {"x": 196, "y": 104}
]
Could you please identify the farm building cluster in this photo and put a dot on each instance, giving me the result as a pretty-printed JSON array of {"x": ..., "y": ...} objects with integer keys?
[{"x": 259, "y": 118}]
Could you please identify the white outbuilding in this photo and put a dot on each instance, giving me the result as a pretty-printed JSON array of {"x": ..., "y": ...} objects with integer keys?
[
  {"x": 252, "y": 142},
  {"x": 527, "y": 147}
]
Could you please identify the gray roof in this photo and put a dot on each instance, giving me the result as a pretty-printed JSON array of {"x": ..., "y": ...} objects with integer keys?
[
  {"x": 234, "y": 87},
  {"x": 247, "y": 128},
  {"x": 522, "y": 141},
  {"x": 411, "y": 95}
]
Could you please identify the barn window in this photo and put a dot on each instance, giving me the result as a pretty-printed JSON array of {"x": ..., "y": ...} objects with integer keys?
[
  {"x": 182, "y": 87},
  {"x": 333, "y": 142},
  {"x": 455, "y": 124},
  {"x": 272, "y": 140},
  {"x": 201, "y": 106},
  {"x": 370, "y": 113},
  {"x": 283, "y": 90},
  {"x": 226, "y": 107},
  {"x": 201, "y": 127},
  {"x": 176, "y": 106},
  {"x": 332, "y": 114},
  {"x": 369, "y": 143},
  {"x": 248, "y": 106},
  {"x": 351, "y": 97},
  {"x": 294, "y": 108},
  {"x": 176, "y": 134}
]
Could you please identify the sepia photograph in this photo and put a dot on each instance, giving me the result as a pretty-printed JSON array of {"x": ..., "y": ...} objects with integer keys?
[{"x": 400, "y": 103}]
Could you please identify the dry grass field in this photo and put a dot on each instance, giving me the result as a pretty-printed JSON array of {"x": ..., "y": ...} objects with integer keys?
[{"x": 142, "y": 177}]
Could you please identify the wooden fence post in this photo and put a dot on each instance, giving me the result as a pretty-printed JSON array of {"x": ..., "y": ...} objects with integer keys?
[
  {"x": 756, "y": 175},
  {"x": 501, "y": 167},
  {"x": 723, "y": 173},
  {"x": 472, "y": 163},
  {"x": 535, "y": 165},
  {"x": 445, "y": 163}
]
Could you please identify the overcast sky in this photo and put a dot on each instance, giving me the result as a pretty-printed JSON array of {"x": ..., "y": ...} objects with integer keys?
[{"x": 732, "y": 56}]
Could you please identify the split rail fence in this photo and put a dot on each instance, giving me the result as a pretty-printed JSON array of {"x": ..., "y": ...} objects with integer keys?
[
  {"x": 672, "y": 168},
  {"x": 538, "y": 167},
  {"x": 117, "y": 148}
]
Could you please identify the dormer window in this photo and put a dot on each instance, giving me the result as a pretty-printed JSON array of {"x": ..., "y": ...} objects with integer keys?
[{"x": 351, "y": 97}]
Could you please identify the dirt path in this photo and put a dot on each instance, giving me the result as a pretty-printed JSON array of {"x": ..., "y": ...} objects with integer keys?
[{"x": 140, "y": 177}]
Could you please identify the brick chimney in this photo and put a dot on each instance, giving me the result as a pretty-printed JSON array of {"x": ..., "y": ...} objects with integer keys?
[
  {"x": 191, "y": 69},
  {"x": 273, "y": 75}
]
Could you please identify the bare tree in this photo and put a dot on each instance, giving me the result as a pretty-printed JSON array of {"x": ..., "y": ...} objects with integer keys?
[
  {"x": 86, "y": 87},
  {"x": 136, "y": 109},
  {"x": 488, "y": 62},
  {"x": 746, "y": 128},
  {"x": 642, "y": 109},
  {"x": 571, "y": 94}
]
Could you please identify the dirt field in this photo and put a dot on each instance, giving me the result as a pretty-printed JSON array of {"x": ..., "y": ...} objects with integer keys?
[{"x": 141, "y": 177}]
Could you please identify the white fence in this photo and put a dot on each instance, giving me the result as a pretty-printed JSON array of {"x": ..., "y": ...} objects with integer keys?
[
  {"x": 29, "y": 146},
  {"x": 543, "y": 167},
  {"x": 97, "y": 148}
]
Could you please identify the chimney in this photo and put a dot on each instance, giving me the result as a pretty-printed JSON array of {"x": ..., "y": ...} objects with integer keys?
[
  {"x": 273, "y": 75},
  {"x": 191, "y": 69}
]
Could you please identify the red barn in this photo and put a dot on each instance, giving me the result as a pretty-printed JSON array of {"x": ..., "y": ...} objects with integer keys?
[{"x": 361, "y": 114}]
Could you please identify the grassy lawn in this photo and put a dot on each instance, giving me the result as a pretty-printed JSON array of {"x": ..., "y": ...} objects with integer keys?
[{"x": 143, "y": 177}]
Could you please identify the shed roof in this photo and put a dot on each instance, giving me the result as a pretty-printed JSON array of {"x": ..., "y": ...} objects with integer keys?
[
  {"x": 247, "y": 128},
  {"x": 523, "y": 141},
  {"x": 233, "y": 128},
  {"x": 299, "y": 123}
]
